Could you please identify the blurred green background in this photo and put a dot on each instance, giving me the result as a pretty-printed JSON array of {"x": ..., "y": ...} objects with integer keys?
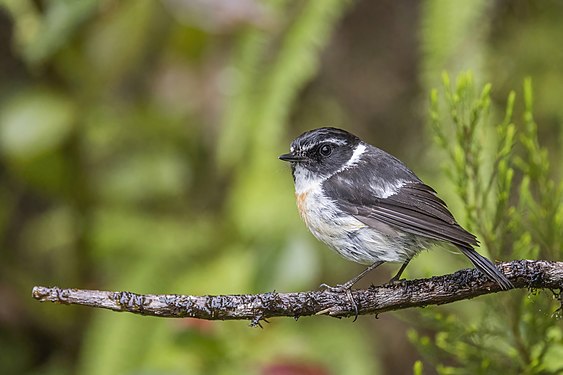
[{"x": 138, "y": 151}]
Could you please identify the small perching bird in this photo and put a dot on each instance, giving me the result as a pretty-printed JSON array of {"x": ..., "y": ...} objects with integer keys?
[{"x": 369, "y": 207}]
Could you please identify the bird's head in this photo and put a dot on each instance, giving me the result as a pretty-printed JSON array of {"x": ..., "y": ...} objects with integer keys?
[{"x": 322, "y": 152}]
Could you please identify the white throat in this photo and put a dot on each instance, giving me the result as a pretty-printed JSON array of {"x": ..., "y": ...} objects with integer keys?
[{"x": 305, "y": 180}]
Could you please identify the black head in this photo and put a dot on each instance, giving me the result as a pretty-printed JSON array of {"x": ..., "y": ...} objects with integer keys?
[{"x": 322, "y": 151}]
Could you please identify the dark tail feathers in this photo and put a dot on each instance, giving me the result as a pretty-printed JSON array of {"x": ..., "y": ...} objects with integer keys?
[{"x": 487, "y": 267}]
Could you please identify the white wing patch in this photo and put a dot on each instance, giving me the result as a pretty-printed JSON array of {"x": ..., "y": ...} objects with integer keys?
[{"x": 387, "y": 190}]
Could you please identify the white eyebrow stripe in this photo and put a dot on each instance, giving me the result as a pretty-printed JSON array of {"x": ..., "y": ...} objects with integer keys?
[{"x": 335, "y": 141}]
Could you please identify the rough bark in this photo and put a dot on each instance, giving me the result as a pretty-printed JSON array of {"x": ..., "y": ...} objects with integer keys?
[{"x": 464, "y": 284}]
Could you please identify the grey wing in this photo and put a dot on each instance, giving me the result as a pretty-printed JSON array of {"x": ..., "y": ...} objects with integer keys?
[{"x": 414, "y": 208}]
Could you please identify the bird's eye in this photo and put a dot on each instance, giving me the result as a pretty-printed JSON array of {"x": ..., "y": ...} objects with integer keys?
[{"x": 325, "y": 150}]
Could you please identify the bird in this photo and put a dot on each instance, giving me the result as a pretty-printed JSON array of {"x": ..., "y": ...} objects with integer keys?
[{"x": 370, "y": 207}]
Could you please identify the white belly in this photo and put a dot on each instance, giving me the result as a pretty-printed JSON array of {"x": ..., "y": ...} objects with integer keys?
[
  {"x": 348, "y": 236},
  {"x": 345, "y": 234}
]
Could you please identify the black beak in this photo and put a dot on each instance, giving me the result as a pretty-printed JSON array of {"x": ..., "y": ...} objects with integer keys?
[{"x": 291, "y": 157}]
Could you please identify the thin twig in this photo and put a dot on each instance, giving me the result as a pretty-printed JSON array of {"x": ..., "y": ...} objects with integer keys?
[{"x": 464, "y": 284}]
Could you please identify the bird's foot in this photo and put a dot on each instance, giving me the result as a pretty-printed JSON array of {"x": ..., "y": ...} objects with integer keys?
[
  {"x": 344, "y": 288},
  {"x": 339, "y": 288}
]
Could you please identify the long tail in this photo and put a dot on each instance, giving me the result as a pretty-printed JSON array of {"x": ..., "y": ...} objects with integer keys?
[{"x": 487, "y": 267}]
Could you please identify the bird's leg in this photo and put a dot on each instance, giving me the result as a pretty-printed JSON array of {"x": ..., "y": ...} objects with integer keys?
[
  {"x": 397, "y": 277},
  {"x": 346, "y": 287},
  {"x": 348, "y": 284}
]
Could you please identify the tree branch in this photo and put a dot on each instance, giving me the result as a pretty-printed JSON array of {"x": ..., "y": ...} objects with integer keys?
[{"x": 464, "y": 284}]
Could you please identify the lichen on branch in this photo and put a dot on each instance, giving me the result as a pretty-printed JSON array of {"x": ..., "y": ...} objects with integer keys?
[{"x": 464, "y": 284}]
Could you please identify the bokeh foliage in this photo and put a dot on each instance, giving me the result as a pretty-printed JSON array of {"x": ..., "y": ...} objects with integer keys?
[
  {"x": 138, "y": 145},
  {"x": 503, "y": 177}
]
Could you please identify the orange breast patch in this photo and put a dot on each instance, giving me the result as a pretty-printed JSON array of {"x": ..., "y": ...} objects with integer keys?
[{"x": 302, "y": 204}]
